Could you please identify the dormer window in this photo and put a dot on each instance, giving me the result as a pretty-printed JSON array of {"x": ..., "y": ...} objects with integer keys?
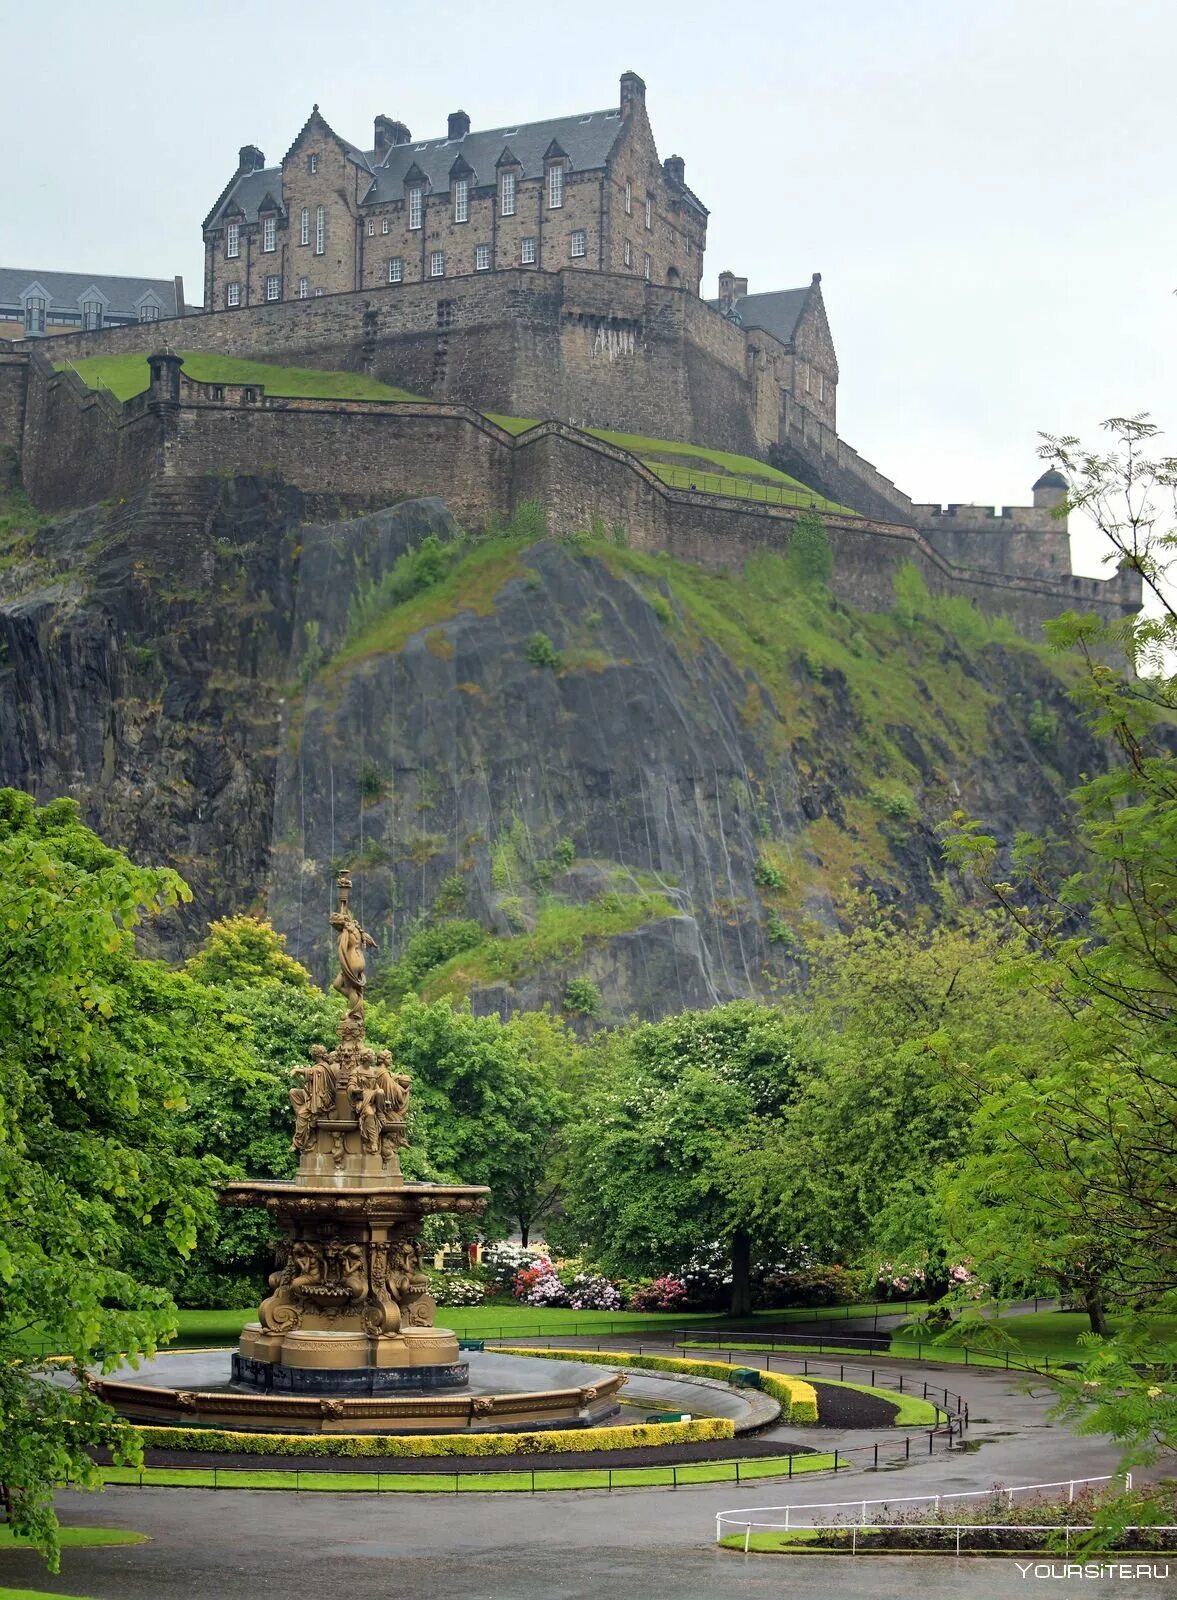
[
  {"x": 313, "y": 161},
  {"x": 148, "y": 312},
  {"x": 232, "y": 240},
  {"x": 35, "y": 308},
  {"x": 507, "y": 195},
  {"x": 461, "y": 199},
  {"x": 91, "y": 314},
  {"x": 555, "y": 186},
  {"x": 416, "y": 196},
  {"x": 269, "y": 233}
]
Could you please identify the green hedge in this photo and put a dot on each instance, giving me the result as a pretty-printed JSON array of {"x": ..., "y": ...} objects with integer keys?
[
  {"x": 438, "y": 1444},
  {"x": 798, "y": 1399}
]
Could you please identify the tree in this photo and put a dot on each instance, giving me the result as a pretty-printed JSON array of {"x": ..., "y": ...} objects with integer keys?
[
  {"x": 245, "y": 952},
  {"x": 659, "y": 1156},
  {"x": 98, "y": 1050}
]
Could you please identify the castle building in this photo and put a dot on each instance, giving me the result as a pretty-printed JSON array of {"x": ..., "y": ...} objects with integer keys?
[
  {"x": 787, "y": 329},
  {"x": 36, "y": 304},
  {"x": 585, "y": 192}
]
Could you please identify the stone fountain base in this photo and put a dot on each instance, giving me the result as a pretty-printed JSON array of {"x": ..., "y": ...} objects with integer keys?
[{"x": 317, "y": 1361}]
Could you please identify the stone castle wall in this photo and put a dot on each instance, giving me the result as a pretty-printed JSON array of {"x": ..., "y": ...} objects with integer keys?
[{"x": 81, "y": 446}]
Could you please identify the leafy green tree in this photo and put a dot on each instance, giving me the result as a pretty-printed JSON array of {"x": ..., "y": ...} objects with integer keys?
[
  {"x": 99, "y": 1050},
  {"x": 245, "y": 952},
  {"x": 659, "y": 1167}
]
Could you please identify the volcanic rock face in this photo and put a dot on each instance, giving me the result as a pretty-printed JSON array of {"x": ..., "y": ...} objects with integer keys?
[{"x": 558, "y": 771}]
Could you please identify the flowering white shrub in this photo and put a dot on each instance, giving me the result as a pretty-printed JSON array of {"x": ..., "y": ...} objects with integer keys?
[
  {"x": 454, "y": 1291},
  {"x": 503, "y": 1260},
  {"x": 540, "y": 1285},
  {"x": 589, "y": 1292}
]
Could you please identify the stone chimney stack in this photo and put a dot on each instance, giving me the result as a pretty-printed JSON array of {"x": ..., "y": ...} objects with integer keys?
[
  {"x": 731, "y": 288},
  {"x": 675, "y": 169},
  {"x": 633, "y": 94},
  {"x": 459, "y": 125},
  {"x": 386, "y": 133},
  {"x": 250, "y": 159}
]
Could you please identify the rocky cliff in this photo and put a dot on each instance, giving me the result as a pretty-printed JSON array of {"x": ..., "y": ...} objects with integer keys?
[{"x": 560, "y": 772}]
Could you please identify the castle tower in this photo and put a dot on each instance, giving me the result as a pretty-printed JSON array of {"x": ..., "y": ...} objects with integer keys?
[{"x": 1050, "y": 490}]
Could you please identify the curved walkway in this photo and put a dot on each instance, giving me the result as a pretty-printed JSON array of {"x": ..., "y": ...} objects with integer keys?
[{"x": 647, "y": 1543}]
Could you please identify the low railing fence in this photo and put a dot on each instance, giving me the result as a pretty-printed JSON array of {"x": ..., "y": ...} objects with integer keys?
[
  {"x": 754, "y": 1517},
  {"x": 986, "y": 1535}
]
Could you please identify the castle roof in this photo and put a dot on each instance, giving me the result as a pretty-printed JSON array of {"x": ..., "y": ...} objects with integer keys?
[
  {"x": 245, "y": 194},
  {"x": 777, "y": 312},
  {"x": 65, "y": 292},
  {"x": 1052, "y": 479},
  {"x": 585, "y": 139}
]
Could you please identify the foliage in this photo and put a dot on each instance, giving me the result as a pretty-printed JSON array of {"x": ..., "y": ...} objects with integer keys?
[
  {"x": 449, "y": 1289},
  {"x": 353, "y": 1446},
  {"x": 811, "y": 556},
  {"x": 541, "y": 652},
  {"x": 502, "y": 1260},
  {"x": 540, "y": 1285},
  {"x": 243, "y": 952},
  {"x": 411, "y": 574},
  {"x": 767, "y": 874},
  {"x": 815, "y": 1286},
  {"x": 426, "y": 949},
  {"x": 581, "y": 996},
  {"x": 100, "y": 1048},
  {"x": 589, "y": 1291},
  {"x": 659, "y": 1294}
]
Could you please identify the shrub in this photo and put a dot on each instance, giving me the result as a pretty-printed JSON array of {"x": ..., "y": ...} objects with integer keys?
[
  {"x": 540, "y": 1285},
  {"x": 768, "y": 875},
  {"x": 411, "y": 573},
  {"x": 896, "y": 802},
  {"x": 1042, "y": 727},
  {"x": 503, "y": 1261},
  {"x": 541, "y": 652},
  {"x": 565, "y": 853},
  {"x": 582, "y": 996},
  {"x": 426, "y": 949},
  {"x": 590, "y": 1292},
  {"x": 778, "y": 931},
  {"x": 810, "y": 554},
  {"x": 660, "y": 1294},
  {"x": 815, "y": 1286},
  {"x": 450, "y": 1290}
]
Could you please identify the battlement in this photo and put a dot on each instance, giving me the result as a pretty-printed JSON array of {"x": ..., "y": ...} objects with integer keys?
[{"x": 981, "y": 517}]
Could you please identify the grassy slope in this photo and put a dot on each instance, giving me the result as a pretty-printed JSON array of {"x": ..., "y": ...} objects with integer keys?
[
  {"x": 127, "y": 375},
  {"x": 76, "y": 1539}
]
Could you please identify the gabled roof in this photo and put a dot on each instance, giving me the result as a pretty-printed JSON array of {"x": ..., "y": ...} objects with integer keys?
[
  {"x": 67, "y": 290},
  {"x": 585, "y": 140},
  {"x": 245, "y": 195},
  {"x": 777, "y": 312}
]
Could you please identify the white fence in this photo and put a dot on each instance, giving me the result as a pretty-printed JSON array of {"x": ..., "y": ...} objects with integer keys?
[{"x": 749, "y": 1518}]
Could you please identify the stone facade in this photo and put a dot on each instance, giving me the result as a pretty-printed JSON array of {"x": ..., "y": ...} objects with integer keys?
[{"x": 584, "y": 193}]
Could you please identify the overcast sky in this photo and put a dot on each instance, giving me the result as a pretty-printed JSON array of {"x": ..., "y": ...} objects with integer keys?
[{"x": 987, "y": 189}]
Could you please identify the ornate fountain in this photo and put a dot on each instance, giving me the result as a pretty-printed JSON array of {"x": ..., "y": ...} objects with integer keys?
[{"x": 349, "y": 1310}]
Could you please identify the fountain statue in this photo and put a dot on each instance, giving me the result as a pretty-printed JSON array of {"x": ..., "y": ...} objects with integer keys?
[{"x": 349, "y": 1309}]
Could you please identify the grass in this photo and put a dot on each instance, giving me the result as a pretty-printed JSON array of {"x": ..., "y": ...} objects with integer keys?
[
  {"x": 471, "y": 1482},
  {"x": 127, "y": 375},
  {"x": 76, "y": 1538},
  {"x": 37, "y": 1594}
]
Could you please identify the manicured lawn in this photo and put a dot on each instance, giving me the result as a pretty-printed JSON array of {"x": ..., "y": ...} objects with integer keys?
[
  {"x": 472, "y": 1482},
  {"x": 911, "y": 1411},
  {"x": 127, "y": 375},
  {"x": 37, "y": 1594},
  {"x": 76, "y": 1538}
]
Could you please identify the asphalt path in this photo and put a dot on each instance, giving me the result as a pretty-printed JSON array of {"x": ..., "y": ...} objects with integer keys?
[{"x": 655, "y": 1543}]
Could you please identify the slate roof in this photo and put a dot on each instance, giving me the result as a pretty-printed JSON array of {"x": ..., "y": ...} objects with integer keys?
[
  {"x": 777, "y": 312},
  {"x": 246, "y": 193},
  {"x": 586, "y": 140},
  {"x": 66, "y": 291}
]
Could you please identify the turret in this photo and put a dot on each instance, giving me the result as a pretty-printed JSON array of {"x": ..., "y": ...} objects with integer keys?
[{"x": 1050, "y": 490}]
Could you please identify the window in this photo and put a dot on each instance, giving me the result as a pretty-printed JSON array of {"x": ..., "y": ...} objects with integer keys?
[
  {"x": 218, "y": 391},
  {"x": 437, "y": 263},
  {"x": 527, "y": 252},
  {"x": 507, "y": 194},
  {"x": 628, "y": 198},
  {"x": 91, "y": 313},
  {"x": 148, "y": 313},
  {"x": 555, "y": 187},
  {"x": 461, "y": 199},
  {"x": 821, "y": 386},
  {"x": 371, "y": 227},
  {"x": 447, "y": 313},
  {"x": 649, "y": 211},
  {"x": 233, "y": 240},
  {"x": 304, "y": 288},
  {"x": 396, "y": 269},
  {"x": 320, "y": 229},
  {"x": 304, "y": 226},
  {"x": 646, "y": 268},
  {"x": 482, "y": 258},
  {"x": 808, "y": 384},
  {"x": 273, "y": 287},
  {"x": 313, "y": 161},
  {"x": 269, "y": 233},
  {"x": 35, "y": 314},
  {"x": 627, "y": 253},
  {"x": 232, "y": 295},
  {"x": 317, "y": 293},
  {"x": 577, "y": 242},
  {"x": 384, "y": 225},
  {"x": 415, "y": 206}
]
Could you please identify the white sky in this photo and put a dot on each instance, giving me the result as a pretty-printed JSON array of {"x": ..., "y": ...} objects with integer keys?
[{"x": 986, "y": 188}]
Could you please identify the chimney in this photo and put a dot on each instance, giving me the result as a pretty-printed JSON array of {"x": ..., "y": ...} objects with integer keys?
[
  {"x": 459, "y": 125},
  {"x": 633, "y": 94},
  {"x": 179, "y": 283},
  {"x": 731, "y": 288},
  {"x": 386, "y": 133},
  {"x": 675, "y": 169},
  {"x": 250, "y": 159}
]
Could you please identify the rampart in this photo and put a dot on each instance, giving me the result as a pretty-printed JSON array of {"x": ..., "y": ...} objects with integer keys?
[{"x": 81, "y": 446}]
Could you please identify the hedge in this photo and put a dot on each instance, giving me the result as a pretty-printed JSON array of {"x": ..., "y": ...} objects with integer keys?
[
  {"x": 798, "y": 1399},
  {"x": 438, "y": 1444}
]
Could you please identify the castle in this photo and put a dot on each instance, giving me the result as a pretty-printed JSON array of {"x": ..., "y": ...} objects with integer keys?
[{"x": 550, "y": 271}]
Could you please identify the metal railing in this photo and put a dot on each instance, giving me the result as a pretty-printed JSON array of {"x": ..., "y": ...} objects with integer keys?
[
  {"x": 765, "y": 492},
  {"x": 962, "y": 1531},
  {"x": 747, "y": 1517}
]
